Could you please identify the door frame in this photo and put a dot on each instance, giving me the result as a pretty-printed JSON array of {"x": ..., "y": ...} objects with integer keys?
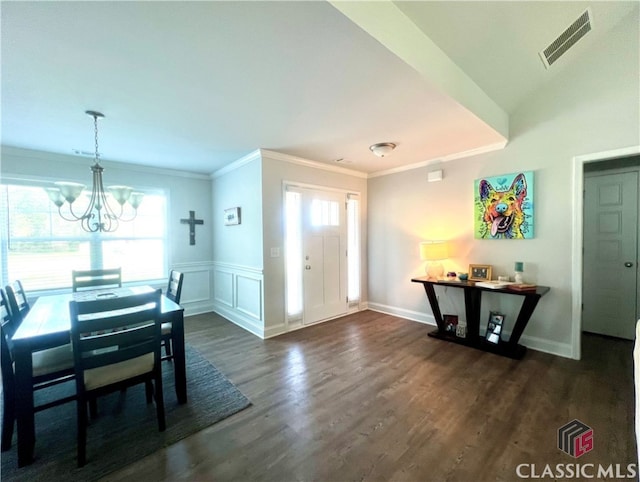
[
  {"x": 577, "y": 237},
  {"x": 295, "y": 323}
]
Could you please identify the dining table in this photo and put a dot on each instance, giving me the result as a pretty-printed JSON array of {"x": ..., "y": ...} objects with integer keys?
[{"x": 48, "y": 325}]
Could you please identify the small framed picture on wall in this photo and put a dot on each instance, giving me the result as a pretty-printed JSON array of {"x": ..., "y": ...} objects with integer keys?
[{"x": 231, "y": 216}]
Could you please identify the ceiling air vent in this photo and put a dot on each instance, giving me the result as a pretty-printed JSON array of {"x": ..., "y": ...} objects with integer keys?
[{"x": 567, "y": 39}]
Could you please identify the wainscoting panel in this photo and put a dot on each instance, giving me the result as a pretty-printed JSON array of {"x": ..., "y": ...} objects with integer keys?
[
  {"x": 239, "y": 296},
  {"x": 249, "y": 296},
  {"x": 223, "y": 287},
  {"x": 196, "y": 288}
]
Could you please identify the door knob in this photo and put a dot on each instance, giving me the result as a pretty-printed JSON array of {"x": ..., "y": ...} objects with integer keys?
[
  {"x": 307, "y": 266},
  {"x": 628, "y": 264}
]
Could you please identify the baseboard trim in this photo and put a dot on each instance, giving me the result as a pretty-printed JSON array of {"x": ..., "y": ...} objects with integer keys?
[
  {"x": 243, "y": 322},
  {"x": 534, "y": 343},
  {"x": 198, "y": 309},
  {"x": 403, "y": 313}
]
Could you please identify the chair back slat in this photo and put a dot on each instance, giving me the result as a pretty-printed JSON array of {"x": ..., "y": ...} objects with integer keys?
[
  {"x": 109, "y": 338},
  {"x": 6, "y": 346},
  {"x": 104, "y": 332},
  {"x": 5, "y": 313},
  {"x": 121, "y": 354},
  {"x": 18, "y": 303},
  {"x": 96, "y": 278},
  {"x": 174, "y": 288}
]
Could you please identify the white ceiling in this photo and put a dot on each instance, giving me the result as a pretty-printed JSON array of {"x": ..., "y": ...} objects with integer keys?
[{"x": 197, "y": 85}]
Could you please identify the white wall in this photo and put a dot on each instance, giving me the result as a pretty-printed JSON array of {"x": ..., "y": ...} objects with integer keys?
[
  {"x": 186, "y": 192},
  {"x": 239, "y": 187},
  {"x": 237, "y": 249},
  {"x": 591, "y": 106}
]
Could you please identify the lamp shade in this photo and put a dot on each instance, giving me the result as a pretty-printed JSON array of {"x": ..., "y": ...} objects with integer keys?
[{"x": 434, "y": 250}]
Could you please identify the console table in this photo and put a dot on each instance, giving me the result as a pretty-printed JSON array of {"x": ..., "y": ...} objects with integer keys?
[{"x": 472, "y": 301}]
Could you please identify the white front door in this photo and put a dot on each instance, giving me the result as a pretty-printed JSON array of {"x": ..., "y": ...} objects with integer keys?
[
  {"x": 324, "y": 251},
  {"x": 610, "y": 254}
]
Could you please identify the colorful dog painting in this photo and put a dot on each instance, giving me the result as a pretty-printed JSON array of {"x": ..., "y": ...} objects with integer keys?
[{"x": 504, "y": 207}]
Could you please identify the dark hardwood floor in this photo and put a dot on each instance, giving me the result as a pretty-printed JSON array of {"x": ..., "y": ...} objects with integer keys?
[{"x": 371, "y": 397}]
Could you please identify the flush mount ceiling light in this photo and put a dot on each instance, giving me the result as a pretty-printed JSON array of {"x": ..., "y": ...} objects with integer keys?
[
  {"x": 98, "y": 215},
  {"x": 382, "y": 148}
]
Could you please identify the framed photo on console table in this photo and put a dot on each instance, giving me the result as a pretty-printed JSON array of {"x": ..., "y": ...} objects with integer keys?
[
  {"x": 480, "y": 272},
  {"x": 494, "y": 327},
  {"x": 450, "y": 323}
]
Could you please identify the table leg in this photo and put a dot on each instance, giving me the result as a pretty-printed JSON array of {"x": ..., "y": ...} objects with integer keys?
[
  {"x": 179, "y": 358},
  {"x": 472, "y": 302},
  {"x": 435, "y": 307},
  {"x": 24, "y": 406},
  {"x": 528, "y": 305}
]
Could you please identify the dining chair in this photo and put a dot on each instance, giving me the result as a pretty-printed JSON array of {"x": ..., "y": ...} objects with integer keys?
[
  {"x": 174, "y": 292},
  {"x": 8, "y": 380},
  {"x": 18, "y": 303},
  {"x": 96, "y": 278},
  {"x": 50, "y": 367},
  {"x": 125, "y": 353}
]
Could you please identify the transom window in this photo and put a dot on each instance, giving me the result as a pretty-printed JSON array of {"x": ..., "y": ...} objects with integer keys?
[
  {"x": 41, "y": 248},
  {"x": 325, "y": 213}
]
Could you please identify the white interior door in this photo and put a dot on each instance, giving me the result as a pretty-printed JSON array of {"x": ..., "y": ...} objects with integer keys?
[
  {"x": 610, "y": 254},
  {"x": 324, "y": 251}
]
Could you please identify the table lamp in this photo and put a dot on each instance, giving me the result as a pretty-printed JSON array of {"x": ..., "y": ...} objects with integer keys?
[{"x": 434, "y": 252}]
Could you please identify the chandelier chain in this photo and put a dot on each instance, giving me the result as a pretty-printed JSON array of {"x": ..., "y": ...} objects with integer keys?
[{"x": 95, "y": 124}]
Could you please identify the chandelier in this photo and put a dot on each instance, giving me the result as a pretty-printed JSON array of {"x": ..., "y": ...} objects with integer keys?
[{"x": 99, "y": 216}]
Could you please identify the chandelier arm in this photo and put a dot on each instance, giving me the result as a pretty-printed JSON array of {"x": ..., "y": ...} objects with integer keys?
[
  {"x": 108, "y": 217},
  {"x": 87, "y": 225},
  {"x": 127, "y": 219},
  {"x": 74, "y": 218}
]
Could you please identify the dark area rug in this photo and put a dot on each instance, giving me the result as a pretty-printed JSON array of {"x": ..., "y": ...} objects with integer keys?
[{"x": 126, "y": 428}]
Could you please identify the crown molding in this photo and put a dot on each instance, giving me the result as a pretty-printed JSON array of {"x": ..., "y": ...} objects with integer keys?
[
  {"x": 23, "y": 153},
  {"x": 451, "y": 157},
  {"x": 252, "y": 156},
  {"x": 278, "y": 156}
]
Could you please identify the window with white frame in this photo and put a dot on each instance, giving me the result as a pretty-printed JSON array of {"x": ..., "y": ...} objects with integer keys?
[
  {"x": 40, "y": 248},
  {"x": 293, "y": 253},
  {"x": 353, "y": 248}
]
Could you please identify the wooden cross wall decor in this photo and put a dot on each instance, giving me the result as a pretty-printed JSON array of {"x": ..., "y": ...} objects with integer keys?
[{"x": 192, "y": 221}]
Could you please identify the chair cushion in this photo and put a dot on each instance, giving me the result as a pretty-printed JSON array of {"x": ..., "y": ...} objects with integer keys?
[
  {"x": 166, "y": 328},
  {"x": 102, "y": 376},
  {"x": 52, "y": 360}
]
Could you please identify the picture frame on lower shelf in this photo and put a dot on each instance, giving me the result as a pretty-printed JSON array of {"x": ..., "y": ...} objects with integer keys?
[
  {"x": 450, "y": 324},
  {"x": 494, "y": 327}
]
